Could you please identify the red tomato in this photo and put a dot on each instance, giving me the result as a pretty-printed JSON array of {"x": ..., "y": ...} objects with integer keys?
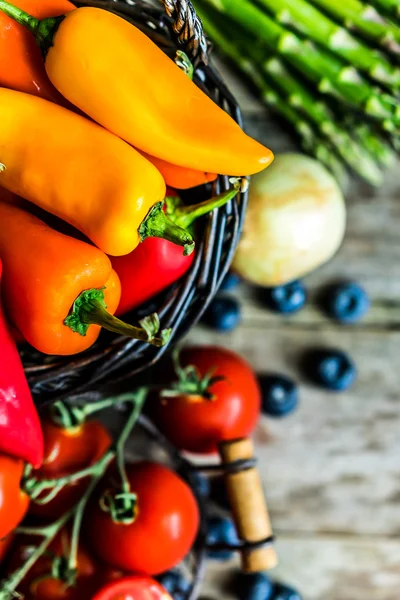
[
  {"x": 164, "y": 530},
  {"x": 36, "y": 586},
  {"x": 13, "y": 502},
  {"x": 65, "y": 452},
  {"x": 133, "y": 588},
  {"x": 197, "y": 424}
]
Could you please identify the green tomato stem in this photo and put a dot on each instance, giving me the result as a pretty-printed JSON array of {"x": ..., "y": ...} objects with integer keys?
[
  {"x": 122, "y": 506},
  {"x": 71, "y": 416},
  {"x": 7, "y": 587}
]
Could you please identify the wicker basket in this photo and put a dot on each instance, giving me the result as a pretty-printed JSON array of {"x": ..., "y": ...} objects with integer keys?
[{"x": 180, "y": 307}]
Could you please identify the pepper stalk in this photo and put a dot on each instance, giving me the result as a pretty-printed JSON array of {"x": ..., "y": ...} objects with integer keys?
[
  {"x": 185, "y": 215},
  {"x": 90, "y": 309},
  {"x": 43, "y": 30}
]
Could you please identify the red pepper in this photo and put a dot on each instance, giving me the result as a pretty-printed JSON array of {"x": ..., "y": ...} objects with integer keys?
[
  {"x": 20, "y": 431},
  {"x": 156, "y": 263}
]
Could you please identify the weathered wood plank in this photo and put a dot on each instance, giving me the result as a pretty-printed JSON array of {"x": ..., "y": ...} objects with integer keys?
[{"x": 324, "y": 568}]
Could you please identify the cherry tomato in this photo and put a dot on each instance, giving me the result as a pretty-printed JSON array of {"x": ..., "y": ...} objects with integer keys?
[
  {"x": 67, "y": 451},
  {"x": 164, "y": 530},
  {"x": 197, "y": 424},
  {"x": 135, "y": 587},
  {"x": 14, "y": 502},
  {"x": 37, "y": 586}
]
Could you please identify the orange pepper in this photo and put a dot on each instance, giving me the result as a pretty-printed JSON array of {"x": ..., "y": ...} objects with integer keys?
[
  {"x": 179, "y": 178},
  {"x": 23, "y": 68},
  {"x": 114, "y": 73},
  {"x": 83, "y": 174},
  {"x": 56, "y": 288}
]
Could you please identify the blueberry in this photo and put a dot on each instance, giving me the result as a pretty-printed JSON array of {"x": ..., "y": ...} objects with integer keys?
[
  {"x": 279, "y": 395},
  {"x": 347, "y": 302},
  {"x": 284, "y": 592},
  {"x": 221, "y": 531},
  {"x": 255, "y": 586},
  {"x": 223, "y": 314},
  {"x": 175, "y": 583},
  {"x": 331, "y": 369},
  {"x": 230, "y": 282},
  {"x": 201, "y": 484},
  {"x": 285, "y": 299}
]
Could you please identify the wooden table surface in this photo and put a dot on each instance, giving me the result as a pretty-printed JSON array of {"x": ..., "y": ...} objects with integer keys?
[{"x": 331, "y": 470}]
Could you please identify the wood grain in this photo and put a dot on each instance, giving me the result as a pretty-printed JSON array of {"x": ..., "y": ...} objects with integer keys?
[{"x": 331, "y": 470}]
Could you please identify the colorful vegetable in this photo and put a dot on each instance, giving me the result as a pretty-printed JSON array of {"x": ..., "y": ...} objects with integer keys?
[
  {"x": 135, "y": 586},
  {"x": 24, "y": 69},
  {"x": 14, "y": 502},
  {"x": 83, "y": 174},
  {"x": 91, "y": 49},
  {"x": 217, "y": 398},
  {"x": 180, "y": 178},
  {"x": 56, "y": 288},
  {"x": 156, "y": 264},
  {"x": 20, "y": 431},
  {"x": 294, "y": 223},
  {"x": 68, "y": 450},
  {"x": 165, "y": 527},
  {"x": 48, "y": 581}
]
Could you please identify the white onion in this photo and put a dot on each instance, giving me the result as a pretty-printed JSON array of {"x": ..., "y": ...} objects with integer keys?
[{"x": 294, "y": 223}]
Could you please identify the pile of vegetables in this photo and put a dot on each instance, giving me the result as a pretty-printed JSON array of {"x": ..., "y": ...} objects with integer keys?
[
  {"x": 329, "y": 68},
  {"x": 89, "y": 141},
  {"x": 96, "y": 527}
]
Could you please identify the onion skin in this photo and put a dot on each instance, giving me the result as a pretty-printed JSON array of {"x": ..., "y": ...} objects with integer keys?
[{"x": 295, "y": 221}]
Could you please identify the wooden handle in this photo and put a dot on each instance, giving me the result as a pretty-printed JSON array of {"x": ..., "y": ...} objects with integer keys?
[{"x": 248, "y": 506}]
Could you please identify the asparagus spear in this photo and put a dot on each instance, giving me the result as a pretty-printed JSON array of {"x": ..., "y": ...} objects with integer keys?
[
  {"x": 389, "y": 7},
  {"x": 308, "y": 20},
  {"x": 371, "y": 141},
  {"x": 348, "y": 147},
  {"x": 295, "y": 97},
  {"x": 330, "y": 74},
  {"x": 364, "y": 19}
]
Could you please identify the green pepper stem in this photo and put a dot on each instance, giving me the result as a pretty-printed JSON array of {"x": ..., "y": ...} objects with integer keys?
[
  {"x": 157, "y": 224},
  {"x": 43, "y": 31},
  {"x": 90, "y": 309},
  {"x": 184, "y": 216}
]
